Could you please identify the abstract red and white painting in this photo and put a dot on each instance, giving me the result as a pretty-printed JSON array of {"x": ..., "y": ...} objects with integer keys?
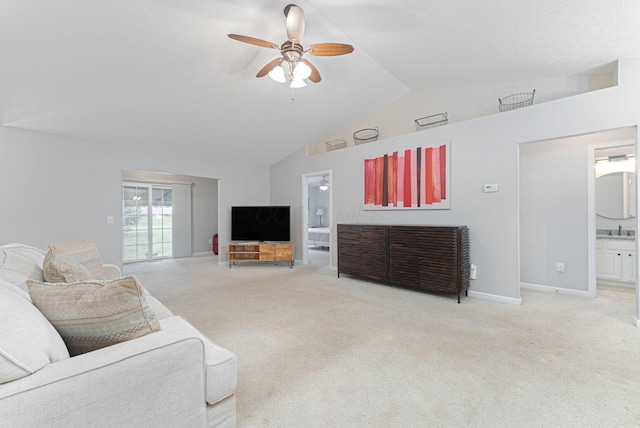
[{"x": 417, "y": 179}]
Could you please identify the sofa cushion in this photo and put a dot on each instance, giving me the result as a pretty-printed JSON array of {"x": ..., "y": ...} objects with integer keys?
[
  {"x": 91, "y": 315},
  {"x": 158, "y": 308},
  {"x": 63, "y": 268},
  {"x": 28, "y": 342},
  {"x": 221, "y": 365},
  {"x": 15, "y": 289},
  {"x": 85, "y": 252},
  {"x": 19, "y": 262}
]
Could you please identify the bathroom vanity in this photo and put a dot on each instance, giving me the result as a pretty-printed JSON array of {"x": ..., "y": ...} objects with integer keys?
[{"x": 616, "y": 260}]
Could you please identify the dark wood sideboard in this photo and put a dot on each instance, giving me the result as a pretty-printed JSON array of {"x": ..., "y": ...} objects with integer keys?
[{"x": 428, "y": 258}]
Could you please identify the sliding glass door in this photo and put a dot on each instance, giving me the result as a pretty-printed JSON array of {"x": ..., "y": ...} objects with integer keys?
[
  {"x": 161, "y": 222},
  {"x": 147, "y": 215}
]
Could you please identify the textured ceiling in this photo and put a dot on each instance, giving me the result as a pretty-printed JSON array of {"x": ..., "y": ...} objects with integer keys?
[{"x": 162, "y": 73}]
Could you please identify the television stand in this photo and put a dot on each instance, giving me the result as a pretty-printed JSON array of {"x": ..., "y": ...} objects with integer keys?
[{"x": 257, "y": 252}]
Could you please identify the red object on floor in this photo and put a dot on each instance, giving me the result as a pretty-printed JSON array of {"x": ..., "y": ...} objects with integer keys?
[{"x": 215, "y": 244}]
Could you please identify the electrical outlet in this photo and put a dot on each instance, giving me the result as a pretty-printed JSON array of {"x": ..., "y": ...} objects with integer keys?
[
  {"x": 210, "y": 241},
  {"x": 474, "y": 271},
  {"x": 109, "y": 219},
  {"x": 560, "y": 267}
]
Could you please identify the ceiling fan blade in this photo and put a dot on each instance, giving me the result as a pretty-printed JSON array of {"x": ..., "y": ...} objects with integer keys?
[
  {"x": 295, "y": 23},
  {"x": 315, "y": 75},
  {"x": 329, "y": 49},
  {"x": 267, "y": 68},
  {"x": 253, "y": 41}
]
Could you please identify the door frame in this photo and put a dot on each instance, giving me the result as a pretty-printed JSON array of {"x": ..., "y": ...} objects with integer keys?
[
  {"x": 591, "y": 220},
  {"x": 305, "y": 213}
]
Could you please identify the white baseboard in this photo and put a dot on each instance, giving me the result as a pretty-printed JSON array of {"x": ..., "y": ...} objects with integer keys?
[
  {"x": 203, "y": 254},
  {"x": 617, "y": 283},
  {"x": 558, "y": 290},
  {"x": 495, "y": 298}
]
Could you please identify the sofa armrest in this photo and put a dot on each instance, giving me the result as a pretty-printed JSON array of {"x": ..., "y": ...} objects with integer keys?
[
  {"x": 156, "y": 380},
  {"x": 112, "y": 271}
]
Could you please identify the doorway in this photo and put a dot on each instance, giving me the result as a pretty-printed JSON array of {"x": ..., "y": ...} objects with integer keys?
[
  {"x": 184, "y": 216},
  {"x": 147, "y": 217},
  {"x": 557, "y": 218},
  {"x": 613, "y": 207},
  {"x": 317, "y": 213}
]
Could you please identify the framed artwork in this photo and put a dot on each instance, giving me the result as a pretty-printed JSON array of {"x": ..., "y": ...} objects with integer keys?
[{"x": 411, "y": 179}]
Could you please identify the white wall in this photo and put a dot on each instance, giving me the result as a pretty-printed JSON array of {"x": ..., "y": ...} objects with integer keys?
[
  {"x": 483, "y": 151},
  {"x": 462, "y": 103},
  {"x": 553, "y": 202},
  {"x": 59, "y": 189},
  {"x": 554, "y": 178}
]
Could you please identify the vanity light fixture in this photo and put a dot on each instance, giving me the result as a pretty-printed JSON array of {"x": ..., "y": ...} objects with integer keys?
[{"x": 615, "y": 158}]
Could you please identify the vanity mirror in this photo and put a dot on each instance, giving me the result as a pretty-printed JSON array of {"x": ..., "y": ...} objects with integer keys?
[{"x": 615, "y": 195}]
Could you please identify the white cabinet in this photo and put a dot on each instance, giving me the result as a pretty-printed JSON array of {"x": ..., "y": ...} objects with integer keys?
[
  {"x": 628, "y": 269},
  {"x": 616, "y": 262}
]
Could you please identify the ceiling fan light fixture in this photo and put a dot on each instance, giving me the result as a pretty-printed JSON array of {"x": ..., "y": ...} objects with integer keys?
[
  {"x": 292, "y": 67},
  {"x": 324, "y": 185},
  {"x": 297, "y": 83},
  {"x": 302, "y": 71},
  {"x": 277, "y": 74}
]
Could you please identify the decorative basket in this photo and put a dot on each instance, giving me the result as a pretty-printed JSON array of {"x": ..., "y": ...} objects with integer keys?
[
  {"x": 340, "y": 143},
  {"x": 431, "y": 121},
  {"x": 514, "y": 101},
  {"x": 366, "y": 135}
]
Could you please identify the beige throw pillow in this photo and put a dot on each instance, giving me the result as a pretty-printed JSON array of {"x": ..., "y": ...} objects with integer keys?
[
  {"x": 95, "y": 314},
  {"x": 85, "y": 252},
  {"x": 62, "y": 268}
]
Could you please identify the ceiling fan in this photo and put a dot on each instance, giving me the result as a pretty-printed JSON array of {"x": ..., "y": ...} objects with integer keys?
[{"x": 292, "y": 66}]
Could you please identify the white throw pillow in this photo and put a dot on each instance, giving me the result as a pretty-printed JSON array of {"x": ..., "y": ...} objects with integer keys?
[
  {"x": 28, "y": 342},
  {"x": 19, "y": 262}
]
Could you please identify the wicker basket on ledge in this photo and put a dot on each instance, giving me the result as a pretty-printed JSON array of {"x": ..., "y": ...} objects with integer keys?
[
  {"x": 340, "y": 143},
  {"x": 366, "y": 135},
  {"x": 514, "y": 101}
]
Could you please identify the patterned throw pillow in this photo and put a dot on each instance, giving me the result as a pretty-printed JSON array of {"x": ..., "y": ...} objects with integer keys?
[
  {"x": 85, "y": 252},
  {"x": 62, "y": 268},
  {"x": 95, "y": 314}
]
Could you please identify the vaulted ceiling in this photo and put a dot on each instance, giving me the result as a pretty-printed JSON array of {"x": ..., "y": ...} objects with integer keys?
[{"x": 163, "y": 74}]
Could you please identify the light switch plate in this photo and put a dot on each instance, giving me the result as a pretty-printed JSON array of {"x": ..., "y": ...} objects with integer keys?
[{"x": 489, "y": 188}]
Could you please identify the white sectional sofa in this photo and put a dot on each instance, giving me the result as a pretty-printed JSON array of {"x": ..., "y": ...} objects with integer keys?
[{"x": 174, "y": 377}]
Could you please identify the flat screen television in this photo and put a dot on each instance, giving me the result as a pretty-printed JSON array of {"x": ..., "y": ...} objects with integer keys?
[{"x": 264, "y": 223}]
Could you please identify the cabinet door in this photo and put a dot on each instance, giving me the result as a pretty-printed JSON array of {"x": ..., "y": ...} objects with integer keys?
[
  {"x": 424, "y": 257},
  {"x": 284, "y": 252},
  {"x": 628, "y": 268},
  {"x": 439, "y": 268},
  {"x": 267, "y": 252},
  {"x": 349, "y": 249},
  {"x": 373, "y": 252},
  {"x": 362, "y": 251},
  {"x": 608, "y": 264}
]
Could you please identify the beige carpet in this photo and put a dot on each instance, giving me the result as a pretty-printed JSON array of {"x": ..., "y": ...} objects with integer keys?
[{"x": 318, "y": 351}]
